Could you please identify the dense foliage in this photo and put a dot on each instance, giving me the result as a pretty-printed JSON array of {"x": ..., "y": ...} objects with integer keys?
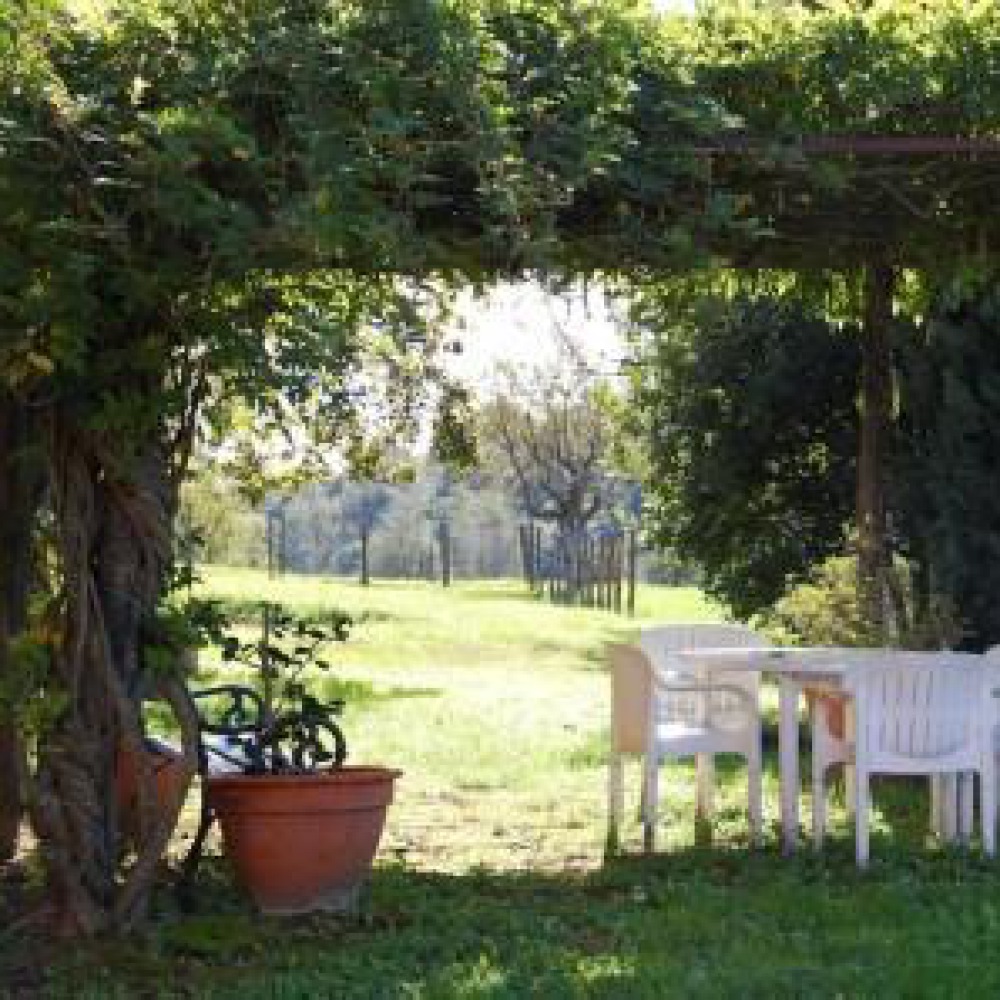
[
  {"x": 948, "y": 431},
  {"x": 753, "y": 433}
]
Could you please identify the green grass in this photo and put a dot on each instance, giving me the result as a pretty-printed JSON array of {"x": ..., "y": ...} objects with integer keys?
[{"x": 491, "y": 882}]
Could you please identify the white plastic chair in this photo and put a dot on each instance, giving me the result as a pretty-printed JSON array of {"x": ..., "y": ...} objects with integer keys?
[
  {"x": 952, "y": 796},
  {"x": 923, "y": 716},
  {"x": 631, "y": 687},
  {"x": 689, "y": 713},
  {"x": 663, "y": 640},
  {"x": 951, "y": 809},
  {"x": 633, "y": 683}
]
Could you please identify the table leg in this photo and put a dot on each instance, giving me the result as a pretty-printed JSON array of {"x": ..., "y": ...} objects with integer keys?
[
  {"x": 788, "y": 754},
  {"x": 705, "y": 778},
  {"x": 850, "y": 741}
]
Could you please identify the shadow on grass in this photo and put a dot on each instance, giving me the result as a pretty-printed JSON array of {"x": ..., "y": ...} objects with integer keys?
[
  {"x": 902, "y": 802},
  {"x": 597, "y": 656},
  {"x": 700, "y": 922}
]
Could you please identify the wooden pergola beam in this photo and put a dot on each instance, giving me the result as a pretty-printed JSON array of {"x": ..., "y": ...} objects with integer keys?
[{"x": 854, "y": 145}]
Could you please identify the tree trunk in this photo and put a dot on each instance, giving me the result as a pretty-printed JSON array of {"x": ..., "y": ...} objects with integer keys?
[
  {"x": 21, "y": 483},
  {"x": 364, "y": 558},
  {"x": 114, "y": 539},
  {"x": 875, "y": 414}
]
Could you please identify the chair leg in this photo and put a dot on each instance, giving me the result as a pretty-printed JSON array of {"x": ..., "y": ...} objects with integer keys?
[
  {"x": 935, "y": 810},
  {"x": 988, "y": 803},
  {"x": 755, "y": 795},
  {"x": 861, "y": 816},
  {"x": 850, "y": 739},
  {"x": 948, "y": 804},
  {"x": 650, "y": 782},
  {"x": 616, "y": 801},
  {"x": 642, "y": 798},
  {"x": 966, "y": 805},
  {"x": 705, "y": 777}
]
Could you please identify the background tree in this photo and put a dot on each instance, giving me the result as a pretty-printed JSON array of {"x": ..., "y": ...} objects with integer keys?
[
  {"x": 944, "y": 476},
  {"x": 363, "y": 506},
  {"x": 546, "y": 435},
  {"x": 454, "y": 440},
  {"x": 751, "y": 406}
]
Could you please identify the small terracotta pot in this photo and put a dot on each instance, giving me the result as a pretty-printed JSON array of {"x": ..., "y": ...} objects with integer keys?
[
  {"x": 168, "y": 773},
  {"x": 835, "y": 707},
  {"x": 303, "y": 842}
]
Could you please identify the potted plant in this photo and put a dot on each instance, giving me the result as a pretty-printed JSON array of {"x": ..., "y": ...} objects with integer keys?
[{"x": 300, "y": 827}]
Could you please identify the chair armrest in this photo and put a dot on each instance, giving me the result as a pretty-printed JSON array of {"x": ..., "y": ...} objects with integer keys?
[
  {"x": 661, "y": 687},
  {"x": 704, "y": 703}
]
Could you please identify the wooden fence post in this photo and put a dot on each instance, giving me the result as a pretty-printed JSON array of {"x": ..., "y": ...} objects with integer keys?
[
  {"x": 444, "y": 535},
  {"x": 364, "y": 557}
]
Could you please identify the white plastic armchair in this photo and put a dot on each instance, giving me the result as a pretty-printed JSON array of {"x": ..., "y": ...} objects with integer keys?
[
  {"x": 661, "y": 718},
  {"x": 660, "y": 643},
  {"x": 632, "y": 671},
  {"x": 923, "y": 716}
]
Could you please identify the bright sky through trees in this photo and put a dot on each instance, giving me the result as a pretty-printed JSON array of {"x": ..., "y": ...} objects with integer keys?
[{"x": 524, "y": 324}]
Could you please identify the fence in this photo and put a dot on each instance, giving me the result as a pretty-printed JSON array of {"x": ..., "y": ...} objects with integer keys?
[{"x": 595, "y": 571}]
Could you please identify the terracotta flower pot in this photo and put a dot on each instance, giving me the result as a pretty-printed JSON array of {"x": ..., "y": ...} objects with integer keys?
[
  {"x": 303, "y": 842},
  {"x": 835, "y": 707},
  {"x": 168, "y": 773}
]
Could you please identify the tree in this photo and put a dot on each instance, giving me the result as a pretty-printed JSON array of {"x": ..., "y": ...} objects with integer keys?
[
  {"x": 454, "y": 440},
  {"x": 547, "y": 436},
  {"x": 945, "y": 468},
  {"x": 363, "y": 506},
  {"x": 161, "y": 261},
  {"x": 751, "y": 404}
]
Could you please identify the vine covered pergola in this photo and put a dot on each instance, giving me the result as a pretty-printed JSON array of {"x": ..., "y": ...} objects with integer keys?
[{"x": 187, "y": 185}]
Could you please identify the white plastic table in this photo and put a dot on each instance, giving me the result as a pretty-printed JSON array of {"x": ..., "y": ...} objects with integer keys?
[{"x": 797, "y": 668}]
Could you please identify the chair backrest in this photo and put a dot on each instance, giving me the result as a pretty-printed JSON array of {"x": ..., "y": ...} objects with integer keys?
[
  {"x": 723, "y": 709},
  {"x": 662, "y": 640},
  {"x": 631, "y": 690},
  {"x": 920, "y": 712}
]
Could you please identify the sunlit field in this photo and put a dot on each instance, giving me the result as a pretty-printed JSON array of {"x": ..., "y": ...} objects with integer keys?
[{"x": 494, "y": 705}]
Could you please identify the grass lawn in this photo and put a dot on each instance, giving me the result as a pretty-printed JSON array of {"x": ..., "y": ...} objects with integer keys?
[{"x": 491, "y": 882}]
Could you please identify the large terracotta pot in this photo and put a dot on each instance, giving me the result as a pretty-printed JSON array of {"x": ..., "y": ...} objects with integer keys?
[{"x": 303, "y": 842}]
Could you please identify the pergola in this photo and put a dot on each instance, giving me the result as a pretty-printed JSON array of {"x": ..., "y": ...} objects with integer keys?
[{"x": 874, "y": 204}]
